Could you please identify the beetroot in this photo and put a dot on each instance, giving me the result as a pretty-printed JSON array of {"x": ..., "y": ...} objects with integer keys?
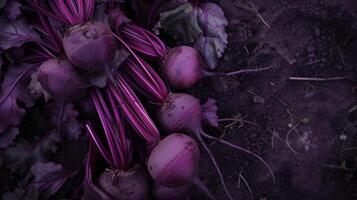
[
  {"x": 89, "y": 46},
  {"x": 174, "y": 162},
  {"x": 181, "y": 67},
  {"x": 60, "y": 79},
  {"x": 125, "y": 185},
  {"x": 180, "y": 112}
]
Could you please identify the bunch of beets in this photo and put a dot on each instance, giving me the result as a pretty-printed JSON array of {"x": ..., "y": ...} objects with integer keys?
[{"x": 112, "y": 126}]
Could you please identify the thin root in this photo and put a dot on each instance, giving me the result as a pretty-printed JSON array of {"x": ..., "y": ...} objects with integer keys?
[
  {"x": 241, "y": 177},
  {"x": 234, "y": 121},
  {"x": 220, "y": 175},
  {"x": 288, "y": 135},
  {"x": 241, "y": 149}
]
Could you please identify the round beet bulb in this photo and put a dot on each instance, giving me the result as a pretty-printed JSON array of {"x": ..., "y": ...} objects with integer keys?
[
  {"x": 182, "y": 67},
  {"x": 174, "y": 161},
  {"x": 89, "y": 46},
  {"x": 180, "y": 112},
  {"x": 128, "y": 185},
  {"x": 61, "y": 80}
]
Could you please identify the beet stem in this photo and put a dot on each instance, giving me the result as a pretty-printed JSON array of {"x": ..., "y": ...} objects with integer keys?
[
  {"x": 99, "y": 104},
  {"x": 135, "y": 56},
  {"x": 89, "y": 173},
  {"x": 99, "y": 144},
  {"x": 241, "y": 149},
  {"x": 121, "y": 142},
  {"x": 220, "y": 175},
  {"x": 39, "y": 9},
  {"x": 153, "y": 12}
]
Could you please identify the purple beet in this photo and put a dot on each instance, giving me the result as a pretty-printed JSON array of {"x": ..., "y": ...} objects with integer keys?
[
  {"x": 61, "y": 80},
  {"x": 125, "y": 185},
  {"x": 89, "y": 46}
]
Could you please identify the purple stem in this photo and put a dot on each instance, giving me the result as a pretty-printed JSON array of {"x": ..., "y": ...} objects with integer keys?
[
  {"x": 134, "y": 110},
  {"x": 53, "y": 33},
  {"x": 89, "y": 173},
  {"x": 99, "y": 145},
  {"x": 43, "y": 11},
  {"x": 97, "y": 100},
  {"x": 153, "y": 12},
  {"x": 143, "y": 41},
  {"x": 156, "y": 91},
  {"x": 81, "y": 9},
  {"x": 119, "y": 133},
  {"x": 136, "y": 58}
]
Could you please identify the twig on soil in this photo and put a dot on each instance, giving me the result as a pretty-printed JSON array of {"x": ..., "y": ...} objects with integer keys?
[
  {"x": 343, "y": 132},
  {"x": 293, "y": 128},
  {"x": 292, "y": 116},
  {"x": 274, "y": 135},
  {"x": 245, "y": 182},
  {"x": 235, "y": 120},
  {"x": 341, "y": 55},
  {"x": 221, "y": 136},
  {"x": 246, "y": 49},
  {"x": 311, "y": 63},
  {"x": 257, "y": 98},
  {"x": 350, "y": 149},
  {"x": 338, "y": 78},
  {"x": 251, "y": 7},
  {"x": 281, "y": 101},
  {"x": 343, "y": 168}
]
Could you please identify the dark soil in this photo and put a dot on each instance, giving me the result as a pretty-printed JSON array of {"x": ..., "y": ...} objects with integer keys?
[{"x": 305, "y": 129}]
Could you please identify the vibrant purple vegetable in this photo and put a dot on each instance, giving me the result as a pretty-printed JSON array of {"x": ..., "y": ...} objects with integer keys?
[
  {"x": 60, "y": 79},
  {"x": 167, "y": 193},
  {"x": 183, "y": 112},
  {"x": 90, "y": 46},
  {"x": 125, "y": 185},
  {"x": 182, "y": 68},
  {"x": 174, "y": 162},
  {"x": 123, "y": 179},
  {"x": 180, "y": 112}
]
